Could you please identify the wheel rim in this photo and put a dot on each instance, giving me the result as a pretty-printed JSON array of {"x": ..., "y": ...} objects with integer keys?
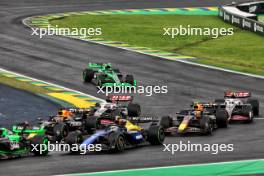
[
  {"x": 64, "y": 132},
  {"x": 120, "y": 143},
  {"x": 161, "y": 135}
]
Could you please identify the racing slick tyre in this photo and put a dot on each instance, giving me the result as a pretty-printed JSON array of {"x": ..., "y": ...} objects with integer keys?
[
  {"x": 250, "y": 117},
  {"x": 60, "y": 131},
  {"x": 117, "y": 142},
  {"x": 40, "y": 143},
  {"x": 206, "y": 126},
  {"x": 166, "y": 122},
  {"x": 91, "y": 124},
  {"x": 74, "y": 137},
  {"x": 248, "y": 112},
  {"x": 255, "y": 106},
  {"x": 116, "y": 70},
  {"x": 221, "y": 118},
  {"x": 134, "y": 110},
  {"x": 88, "y": 75},
  {"x": 156, "y": 135},
  {"x": 129, "y": 79}
]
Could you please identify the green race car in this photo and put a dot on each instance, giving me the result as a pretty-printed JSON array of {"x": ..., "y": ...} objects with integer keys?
[
  {"x": 23, "y": 140},
  {"x": 104, "y": 75}
]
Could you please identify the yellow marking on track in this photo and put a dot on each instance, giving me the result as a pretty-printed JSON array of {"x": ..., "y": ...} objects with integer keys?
[
  {"x": 78, "y": 102},
  {"x": 212, "y": 8},
  {"x": 191, "y": 9}
]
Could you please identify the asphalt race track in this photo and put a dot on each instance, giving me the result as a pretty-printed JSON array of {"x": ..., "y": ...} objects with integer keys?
[
  {"x": 60, "y": 60},
  {"x": 14, "y": 108}
]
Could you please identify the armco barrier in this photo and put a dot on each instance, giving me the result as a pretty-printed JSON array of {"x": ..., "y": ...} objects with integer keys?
[{"x": 243, "y": 22}]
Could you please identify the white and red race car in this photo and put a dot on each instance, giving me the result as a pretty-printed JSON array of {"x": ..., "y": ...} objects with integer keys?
[{"x": 239, "y": 106}]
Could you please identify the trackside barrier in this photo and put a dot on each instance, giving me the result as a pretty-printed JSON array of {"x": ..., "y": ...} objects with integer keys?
[{"x": 244, "y": 20}]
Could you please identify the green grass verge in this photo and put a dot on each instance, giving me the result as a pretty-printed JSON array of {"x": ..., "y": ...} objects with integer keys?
[{"x": 243, "y": 51}]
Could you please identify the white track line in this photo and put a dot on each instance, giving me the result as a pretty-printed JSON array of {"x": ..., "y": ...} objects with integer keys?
[
  {"x": 166, "y": 167},
  {"x": 52, "y": 84},
  {"x": 177, "y": 60}
]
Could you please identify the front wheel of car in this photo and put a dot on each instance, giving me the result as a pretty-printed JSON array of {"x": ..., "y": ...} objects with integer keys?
[
  {"x": 134, "y": 110},
  {"x": 74, "y": 139},
  {"x": 130, "y": 79},
  {"x": 156, "y": 135},
  {"x": 255, "y": 106},
  {"x": 41, "y": 145},
  {"x": 221, "y": 118},
  {"x": 117, "y": 142},
  {"x": 88, "y": 75},
  {"x": 60, "y": 131}
]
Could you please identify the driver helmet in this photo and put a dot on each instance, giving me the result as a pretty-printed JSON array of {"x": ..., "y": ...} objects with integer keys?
[
  {"x": 64, "y": 113},
  {"x": 198, "y": 107},
  {"x": 120, "y": 121}
]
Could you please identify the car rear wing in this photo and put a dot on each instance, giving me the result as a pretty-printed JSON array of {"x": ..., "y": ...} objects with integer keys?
[
  {"x": 77, "y": 110},
  {"x": 239, "y": 94},
  {"x": 117, "y": 98},
  {"x": 99, "y": 65},
  {"x": 142, "y": 119},
  {"x": 206, "y": 104}
]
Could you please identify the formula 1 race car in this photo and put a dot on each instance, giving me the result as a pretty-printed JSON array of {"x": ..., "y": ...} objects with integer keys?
[
  {"x": 21, "y": 139},
  {"x": 120, "y": 136},
  {"x": 87, "y": 120},
  {"x": 68, "y": 119},
  {"x": 195, "y": 120},
  {"x": 116, "y": 105},
  {"x": 104, "y": 75},
  {"x": 239, "y": 106}
]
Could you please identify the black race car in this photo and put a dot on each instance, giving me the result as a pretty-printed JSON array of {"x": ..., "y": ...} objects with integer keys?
[
  {"x": 105, "y": 113},
  {"x": 195, "y": 120},
  {"x": 67, "y": 120}
]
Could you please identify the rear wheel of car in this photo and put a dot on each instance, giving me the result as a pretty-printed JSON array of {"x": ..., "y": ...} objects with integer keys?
[
  {"x": 40, "y": 143},
  {"x": 116, "y": 70},
  {"x": 74, "y": 139},
  {"x": 134, "y": 110},
  {"x": 88, "y": 75},
  {"x": 156, "y": 135},
  {"x": 129, "y": 79},
  {"x": 166, "y": 122},
  {"x": 250, "y": 117},
  {"x": 206, "y": 126},
  {"x": 60, "y": 131},
  {"x": 117, "y": 142},
  {"x": 221, "y": 118},
  {"x": 91, "y": 124},
  {"x": 255, "y": 106}
]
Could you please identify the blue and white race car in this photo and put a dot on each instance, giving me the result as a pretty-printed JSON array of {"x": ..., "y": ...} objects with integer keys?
[{"x": 120, "y": 136}]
